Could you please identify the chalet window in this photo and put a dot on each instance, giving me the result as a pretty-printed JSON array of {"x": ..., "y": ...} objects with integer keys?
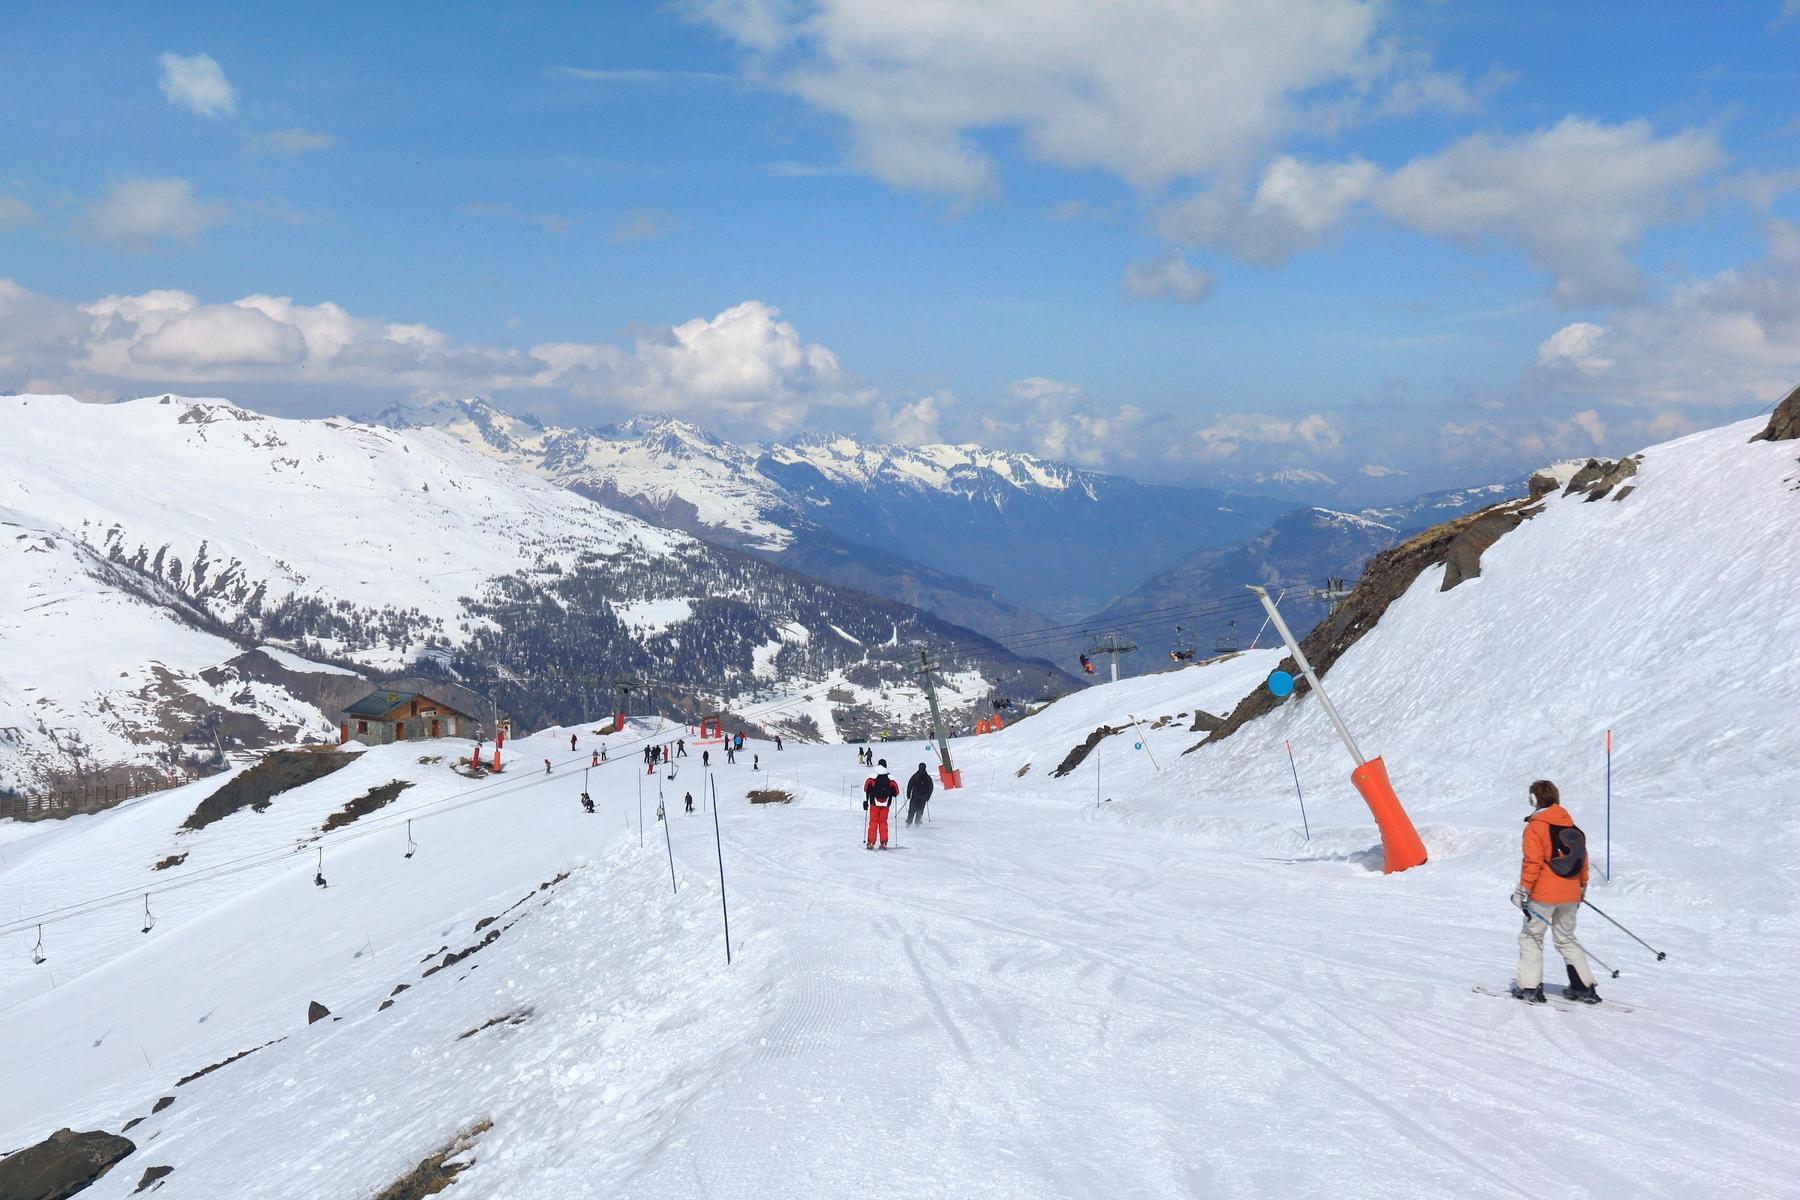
[{"x": 362, "y": 727}]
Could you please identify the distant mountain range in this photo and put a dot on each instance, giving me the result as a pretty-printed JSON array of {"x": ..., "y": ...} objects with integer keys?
[
  {"x": 992, "y": 539},
  {"x": 152, "y": 547}
]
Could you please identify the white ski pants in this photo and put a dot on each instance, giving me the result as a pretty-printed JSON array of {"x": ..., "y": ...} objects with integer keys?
[{"x": 1562, "y": 933}]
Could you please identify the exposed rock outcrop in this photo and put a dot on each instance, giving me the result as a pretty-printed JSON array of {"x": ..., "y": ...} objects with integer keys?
[
  {"x": 278, "y": 771},
  {"x": 1784, "y": 422},
  {"x": 61, "y": 1165}
]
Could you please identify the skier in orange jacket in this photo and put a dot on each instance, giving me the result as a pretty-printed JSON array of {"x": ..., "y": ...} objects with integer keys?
[
  {"x": 1553, "y": 876},
  {"x": 878, "y": 798}
]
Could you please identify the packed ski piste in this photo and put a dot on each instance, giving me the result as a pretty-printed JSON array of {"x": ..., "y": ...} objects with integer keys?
[{"x": 1112, "y": 962}]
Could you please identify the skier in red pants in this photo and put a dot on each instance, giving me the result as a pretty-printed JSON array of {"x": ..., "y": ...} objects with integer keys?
[{"x": 878, "y": 799}]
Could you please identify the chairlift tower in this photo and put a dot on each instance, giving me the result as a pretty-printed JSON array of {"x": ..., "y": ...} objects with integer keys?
[
  {"x": 947, "y": 774},
  {"x": 1113, "y": 648}
]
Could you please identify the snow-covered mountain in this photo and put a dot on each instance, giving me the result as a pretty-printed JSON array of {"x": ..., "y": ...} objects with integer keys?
[
  {"x": 382, "y": 550},
  {"x": 962, "y": 531},
  {"x": 526, "y": 1000}
]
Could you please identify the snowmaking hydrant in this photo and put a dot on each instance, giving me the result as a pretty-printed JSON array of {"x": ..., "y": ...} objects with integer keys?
[{"x": 1400, "y": 844}]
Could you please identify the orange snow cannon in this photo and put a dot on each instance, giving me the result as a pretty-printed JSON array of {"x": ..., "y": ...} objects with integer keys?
[{"x": 1400, "y": 844}]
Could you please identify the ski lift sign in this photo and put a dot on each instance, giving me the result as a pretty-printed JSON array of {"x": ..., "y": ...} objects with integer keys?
[{"x": 1281, "y": 684}]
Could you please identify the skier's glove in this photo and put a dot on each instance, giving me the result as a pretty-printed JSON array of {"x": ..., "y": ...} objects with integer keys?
[
  {"x": 865, "y": 806},
  {"x": 1519, "y": 897}
]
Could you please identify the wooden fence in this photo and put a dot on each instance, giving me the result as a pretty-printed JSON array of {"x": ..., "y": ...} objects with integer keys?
[{"x": 70, "y": 799}]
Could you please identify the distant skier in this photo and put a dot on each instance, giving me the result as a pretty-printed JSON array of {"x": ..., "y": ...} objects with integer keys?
[
  {"x": 546, "y": 766},
  {"x": 596, "y": 761},
  {"x": 680, "y": 747},
  {"x": 918, "y": 792},
  {"x": 878, "y": 797},
  {"x": 603, "y": 752},
  {"x": 739, "y": 740},
  {"x": 778, "y": 741},
  {"x": 587, "y": 802},
  {"x": 689, "y": 801},
  {"x": 756, "y": 762},
  {"x": 705, "y": 760},
  {"x": 659, "y": 810},
  {"x": 571, "y": 743},
  {"x": 730, "y": 754},
  {"x": 1551, "y": 897}
]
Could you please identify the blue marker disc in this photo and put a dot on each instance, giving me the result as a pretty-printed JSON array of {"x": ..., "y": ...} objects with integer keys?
[
  {"x": 1281, "y": 684},
  {"x": 1137, "y": 745}
]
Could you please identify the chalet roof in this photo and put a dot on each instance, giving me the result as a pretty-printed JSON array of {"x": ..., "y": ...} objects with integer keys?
[{"x": 380, "y": 703}]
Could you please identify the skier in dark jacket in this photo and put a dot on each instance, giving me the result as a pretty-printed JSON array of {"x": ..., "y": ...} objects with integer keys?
[{"x": 918, "y": 791}]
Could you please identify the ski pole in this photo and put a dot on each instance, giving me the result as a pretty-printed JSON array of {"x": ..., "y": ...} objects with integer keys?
[
  {"x": 1634, "y": 937},
  {"x": 1592, "y": 957}
]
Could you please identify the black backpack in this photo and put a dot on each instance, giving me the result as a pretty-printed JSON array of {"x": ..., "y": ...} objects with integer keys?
[{"x": 1568, "y": 850}]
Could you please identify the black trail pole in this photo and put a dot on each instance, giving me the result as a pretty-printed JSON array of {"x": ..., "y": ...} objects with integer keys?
[
  {"x": 1634, "y": 937},
  {"x": 662, "y": 817},
  {"x": 719, "y": 845}
]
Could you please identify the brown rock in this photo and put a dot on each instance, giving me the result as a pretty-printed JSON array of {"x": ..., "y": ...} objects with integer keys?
[
  {"x": 153, "y": 1177},
  {"x": 61, "y": 1165},
  {"x": 1784, "y": 422},
  {"x": 316, "y": 1012}
]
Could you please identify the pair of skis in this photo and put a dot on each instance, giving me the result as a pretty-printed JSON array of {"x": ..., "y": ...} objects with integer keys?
[{"x": 1555, "y": 999}]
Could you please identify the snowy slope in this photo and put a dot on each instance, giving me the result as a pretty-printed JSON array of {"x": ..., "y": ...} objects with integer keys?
[
  {"x": 100, "y": 668},
  {"x": 1138, "y": 980},
  {"x": 392, "y": 550}
]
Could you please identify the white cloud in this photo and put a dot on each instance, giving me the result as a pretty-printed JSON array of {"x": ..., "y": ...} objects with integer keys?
[
  {"x": 1152, "y": 90},
  {"x": 1170, "y": 277},
  {"x": 745, "y": 366},
  {"x": 289, "y": 141},
  {"x": 1058, "y": 419},
  {"x": 1730, "y": 341},
  {"x": 914, "y": 422},
  {"x": 1578, "y": 197},
  {"x": 1577, "y": 346},
  {"x": 1380, "y": 470},
  {"x": 1295, "y": 206},
  {"x": 197, "y": 83},
  {"x": 1589, "y": 422},
  {"x": 139, "y": 212},
  {"x": 1230, "y": 433}
]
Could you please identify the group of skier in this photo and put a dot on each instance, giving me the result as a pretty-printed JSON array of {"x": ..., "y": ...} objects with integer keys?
[{"x": 879, "y": 793}]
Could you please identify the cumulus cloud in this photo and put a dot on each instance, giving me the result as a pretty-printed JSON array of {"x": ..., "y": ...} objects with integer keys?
[
  {"x": 1578, "y": 197},
  {"x": 1152, "y": 90},
  {"x": 915, "y": 422},
  {"x": 1059, "y": 420},
  {"x": 1231, "y": 433},
  {"x": 1729, "y": 341},
  {"x": 745, "y": 366},
  {"x": 197, "y": 83},
  {"x": 1170, "y": 277},
  {"x": 1295, "y": 206},
  {"x": 289, "y": 141},
  {"x": 138, "y": 213},
  {"x": 1380, "y": 470}
]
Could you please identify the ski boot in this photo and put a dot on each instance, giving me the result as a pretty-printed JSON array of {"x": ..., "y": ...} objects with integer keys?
[
  {"x": 1534, "y": 995},
  {"x": 1584, "y": 993}
]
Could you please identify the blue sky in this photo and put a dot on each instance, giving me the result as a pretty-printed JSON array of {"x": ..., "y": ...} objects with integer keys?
[{"x": 1192, "y": 242}]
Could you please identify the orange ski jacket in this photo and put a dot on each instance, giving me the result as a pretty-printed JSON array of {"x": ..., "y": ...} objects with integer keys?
[{"x": 1535, "y": 876}]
